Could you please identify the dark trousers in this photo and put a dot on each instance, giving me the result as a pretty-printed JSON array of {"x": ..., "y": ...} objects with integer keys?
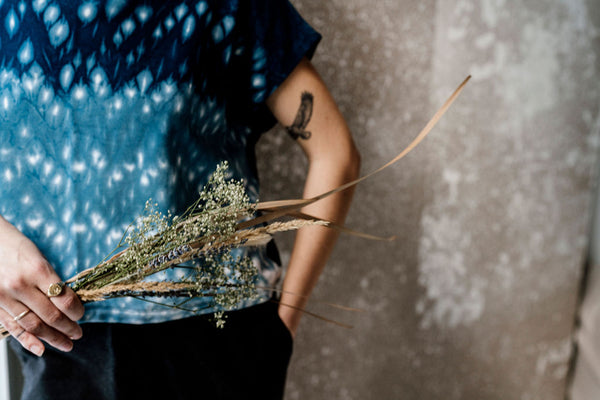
[{"x": 184, "y": 359}]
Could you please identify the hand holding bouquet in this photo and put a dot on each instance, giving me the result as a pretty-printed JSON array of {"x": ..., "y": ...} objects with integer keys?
[{"x": 220, "y": 220}]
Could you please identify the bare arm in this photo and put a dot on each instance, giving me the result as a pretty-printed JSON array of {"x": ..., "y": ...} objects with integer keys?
[
  {"x": 24, "y": 278},
  {"x": 333, "y": 160}
]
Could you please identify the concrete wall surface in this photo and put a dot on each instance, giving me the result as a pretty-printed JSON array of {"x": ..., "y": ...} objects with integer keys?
[
  {"x": 585, "y": 374},
  {"x": 476, "y": 298}
]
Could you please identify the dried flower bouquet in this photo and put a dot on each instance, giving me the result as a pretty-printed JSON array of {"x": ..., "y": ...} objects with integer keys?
[{"x": 221, "y": 220}]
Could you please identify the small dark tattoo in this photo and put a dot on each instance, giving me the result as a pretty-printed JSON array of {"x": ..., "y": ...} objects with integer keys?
[{"x": 298, "y": 128}]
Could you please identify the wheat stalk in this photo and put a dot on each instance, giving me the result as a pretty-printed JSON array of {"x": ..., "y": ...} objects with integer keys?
[{"x": 208, "y": 230}]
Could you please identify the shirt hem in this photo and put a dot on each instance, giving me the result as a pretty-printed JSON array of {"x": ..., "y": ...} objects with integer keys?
[{"x": 140, "y": 317}]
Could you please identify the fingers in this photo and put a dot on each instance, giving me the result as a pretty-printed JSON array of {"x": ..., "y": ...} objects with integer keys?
[
  {"x": 68, "y": 303},
  {"x": 51, "y": 319},
  {"x": 50, "y": 315},
  {"x": 45, "y": 323},
  {"x": 25, "y": 276},
  {"x": 59, "y": 312},
  {"x": 290, "y": 318},
  {"x": 26, "y": 339}
]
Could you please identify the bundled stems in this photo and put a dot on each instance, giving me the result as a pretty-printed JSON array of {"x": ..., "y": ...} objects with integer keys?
[{"x": 221, "y": 219}]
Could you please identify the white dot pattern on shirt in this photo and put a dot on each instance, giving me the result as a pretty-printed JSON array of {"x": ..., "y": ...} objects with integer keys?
[{"x": 81, "y": 153}]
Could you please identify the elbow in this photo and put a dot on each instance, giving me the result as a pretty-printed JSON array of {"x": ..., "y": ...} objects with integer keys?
[
  {"x": 344, "y": 162},
  {"x": 353, "y": 163},
  {"x": 341, "y": 159}
]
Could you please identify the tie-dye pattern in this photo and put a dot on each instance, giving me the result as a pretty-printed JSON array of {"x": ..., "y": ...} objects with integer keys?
[{"x": 105, "y": 104}]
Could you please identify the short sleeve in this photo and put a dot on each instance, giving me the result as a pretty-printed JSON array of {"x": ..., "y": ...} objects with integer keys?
[{"x": 277, "y": 39}]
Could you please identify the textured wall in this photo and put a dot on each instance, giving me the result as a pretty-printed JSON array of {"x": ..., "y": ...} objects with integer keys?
[{"x": 476, "y": 298}]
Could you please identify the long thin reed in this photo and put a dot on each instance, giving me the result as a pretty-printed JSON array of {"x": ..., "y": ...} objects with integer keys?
[{"x": 220, "y": 220}]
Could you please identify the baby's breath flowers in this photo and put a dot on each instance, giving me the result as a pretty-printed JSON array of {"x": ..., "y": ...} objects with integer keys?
[
  {"x": 200, "y": 240},
  {"x": 206, "y": 233},
  {"x": 220, "y": 220}
]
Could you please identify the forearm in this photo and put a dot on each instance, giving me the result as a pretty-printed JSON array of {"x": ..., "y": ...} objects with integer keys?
[
  {"x": 313, "y": 245},
  {"x": 321, "y": 131}
]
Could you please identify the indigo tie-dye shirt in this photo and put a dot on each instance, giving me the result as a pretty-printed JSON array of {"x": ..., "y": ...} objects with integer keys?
[{"x": 105, "y": 104}]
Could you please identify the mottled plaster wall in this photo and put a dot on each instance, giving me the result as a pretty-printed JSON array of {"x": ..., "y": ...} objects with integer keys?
[{"x": 476, "y": 298}]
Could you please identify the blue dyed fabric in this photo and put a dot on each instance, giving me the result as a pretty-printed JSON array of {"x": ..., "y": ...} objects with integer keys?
[{"x": 106, "y": 104}]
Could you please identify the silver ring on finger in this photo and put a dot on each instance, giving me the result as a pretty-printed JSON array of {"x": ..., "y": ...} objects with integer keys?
[
  {"x": 20, "y": 316},
  {"x": 19, "y": 334}
]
